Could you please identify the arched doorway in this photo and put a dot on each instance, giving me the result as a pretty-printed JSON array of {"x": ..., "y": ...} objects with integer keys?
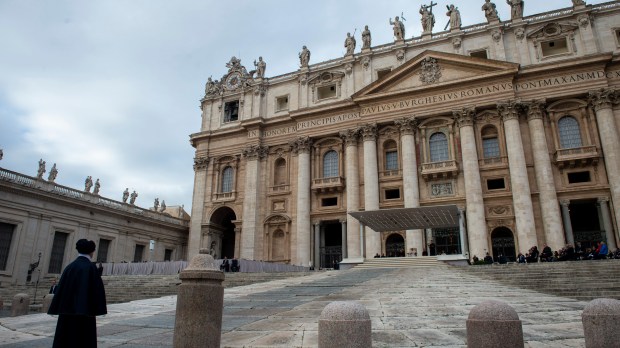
[
  {"x": 503, "y": 243},
  {"x": 222, "y": 231},
  {"x": 395, "y": 245}
]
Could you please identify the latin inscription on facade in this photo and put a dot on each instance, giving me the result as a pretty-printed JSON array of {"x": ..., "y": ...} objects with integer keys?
[{"x": 455, "y": 96}]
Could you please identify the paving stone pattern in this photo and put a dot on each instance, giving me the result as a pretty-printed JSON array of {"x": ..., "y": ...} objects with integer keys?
[{"x": 408, "y": 308}]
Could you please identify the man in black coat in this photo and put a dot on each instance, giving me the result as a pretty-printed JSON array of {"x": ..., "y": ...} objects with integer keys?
[{"x": 79, "y": 297}]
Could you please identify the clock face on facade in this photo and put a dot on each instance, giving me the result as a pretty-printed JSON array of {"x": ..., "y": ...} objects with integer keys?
[{"x": 233, "y": 81}]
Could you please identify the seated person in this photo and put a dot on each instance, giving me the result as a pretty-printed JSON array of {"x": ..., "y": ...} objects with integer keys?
[
  {"x": 234, "y": 267},
  {"x": 521, "y": 258},
  {"x": 488, "y": 259},
  {"x": 546, "y": 254}
]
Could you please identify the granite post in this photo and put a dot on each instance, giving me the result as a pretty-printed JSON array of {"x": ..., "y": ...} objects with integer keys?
[
  {"x": 601, "y": 323},
  {"x": 345, "y": 324},
  {"x": 20, "y": 305},
  {"x": 200, "y": 303},
  {"x": 47, "y": 301},
  {"x": 494, "y": 324}
]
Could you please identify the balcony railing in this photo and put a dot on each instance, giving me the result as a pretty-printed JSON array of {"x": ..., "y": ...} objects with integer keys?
[
  {"x": 439, "y": 170},
  {"x": 390, "y": 173},
  {"x": 493, "y": 161},
  {"x": 576, "y": 157},
  {"x": 280, "y": 188},
  {"x": 224, "y": 196},
  {"x": 333, "y": 184}
]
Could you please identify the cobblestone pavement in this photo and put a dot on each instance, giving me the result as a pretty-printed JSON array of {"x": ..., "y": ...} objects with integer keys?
[{"x": 408, "y": 308}]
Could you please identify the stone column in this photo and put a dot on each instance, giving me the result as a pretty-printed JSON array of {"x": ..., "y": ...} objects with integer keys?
[
  {"x": 462, "y": 235},
  {"x": 602, "y": 100},
  {"x": 609, "y": 230},
  {"x": 343, "y": 229},
  {"x": 371, "y": 184},
  {"x": 476, "y": 221},
  {"x": 411, "y": 190},
  {"x": 251, "y": 199},
  {"x": 350, "y": 137},
  {"x": 198, "y": 202},
  {"x": 568, "y": 226},
  {"x": 520, "y": 186},
  {"x": 552, "y": 223},
  {"x": 317, "y": 246},
  {"x": 301, "y": 146}
]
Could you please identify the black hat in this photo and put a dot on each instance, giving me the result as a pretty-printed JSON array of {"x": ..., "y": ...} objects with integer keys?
[{"x": 85, "y": 246}]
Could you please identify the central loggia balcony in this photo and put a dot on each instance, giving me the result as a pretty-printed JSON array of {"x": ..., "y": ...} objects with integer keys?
[
  {"x": 332, "y": 184},
  {"x": 576, "y": 157},
  {"x": 439, "y": 170}
]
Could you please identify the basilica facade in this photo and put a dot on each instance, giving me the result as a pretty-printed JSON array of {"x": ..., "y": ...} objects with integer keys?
[{"x": 513, "y": 124}]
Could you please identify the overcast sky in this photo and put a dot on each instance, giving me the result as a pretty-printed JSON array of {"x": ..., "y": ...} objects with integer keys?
[{"x": 111, "y": 88}]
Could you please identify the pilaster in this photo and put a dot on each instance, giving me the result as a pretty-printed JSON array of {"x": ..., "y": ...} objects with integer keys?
[
  {"x": 251, "y": 199},
  {"x": 201, "y": 163}
]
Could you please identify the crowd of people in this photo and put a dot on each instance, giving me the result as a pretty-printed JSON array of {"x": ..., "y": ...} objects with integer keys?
[{"x": 568, "y": 253}]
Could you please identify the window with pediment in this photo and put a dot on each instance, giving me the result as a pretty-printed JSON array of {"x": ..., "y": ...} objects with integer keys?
[
  {"x": 280, "y": 176},
  {"x": 490, "y": 142},
  {"x": 570, "y": 135},
  {"x": 390, "y": 149},
  {"x": 438, "y": 147},
  {"x": 330, "y": 164},
  {"x": 227, "y": 180}
]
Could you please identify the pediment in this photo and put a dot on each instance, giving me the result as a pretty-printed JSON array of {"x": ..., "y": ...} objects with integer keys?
[{"x": 432, "y": 69}]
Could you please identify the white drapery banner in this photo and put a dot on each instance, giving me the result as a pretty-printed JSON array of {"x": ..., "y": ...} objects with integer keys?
[{"x": 175, "y": 267}]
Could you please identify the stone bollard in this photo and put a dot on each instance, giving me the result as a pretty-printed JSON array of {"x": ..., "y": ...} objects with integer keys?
[
  {"x": 200, "y": 303},
  {"x": 494, "y": 324},
  {"x": 47, "y": 301},
  {"x": 20, "y": 305},
  {"x": 601, "y": 323},
  {"x": 345, "y": 324}
]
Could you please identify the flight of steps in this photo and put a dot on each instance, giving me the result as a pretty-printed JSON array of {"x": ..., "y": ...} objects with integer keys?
[
  {"x": 581, "y": 280},
  {"x": 401, "y": 262},
  {"x": 124, "y": 288}
]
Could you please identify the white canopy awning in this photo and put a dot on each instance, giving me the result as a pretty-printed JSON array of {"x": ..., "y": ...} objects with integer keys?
[{"x": 384, "y": 220}]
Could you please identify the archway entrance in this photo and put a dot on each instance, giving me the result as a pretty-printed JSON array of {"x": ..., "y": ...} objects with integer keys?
[
  {"x": 395, "y": 245},
  {"x": 503, "y": 243},
  {"x": 222, "y": 231}
]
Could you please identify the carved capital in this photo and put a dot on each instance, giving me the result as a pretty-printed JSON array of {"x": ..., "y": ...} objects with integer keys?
[
  {"x": 406, "y": 125},
  {"x": 369, "y": 131},
  {"x": 254, "y": 152},
  {"x": 535, "y": 109},
  {"x": 508, "y": 110},
  {"x": 564, "y": 202},
  {"x": 350, "y": 136},
  {"x": 603, "y": 200},
  {"x": 464, "y": 117},
  {"x": 301, "y": 145},
  {"x": 201, "y": 163},
  {"x": 603, "y": 98}
]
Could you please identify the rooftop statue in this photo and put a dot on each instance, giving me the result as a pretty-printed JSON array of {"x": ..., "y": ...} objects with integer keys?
[
  {"x": 134, "y": 195},
  {"x": 97, "y": 187},
  {"x": 260, "y": 67},
  {"x": 366, "y": 38},
  {"x": 41, "y": 169},
  {"x": 349, "y": 44},
  {"x": 125, "y": 195},
  {"x": 455, "y": 17},
  {"x": 304, "y": 57},
  {"x": 516, "y": 8},
  {"x": 53, "y": 173},
  {"x": 88, "y": 183},
  {"x": 428, "y": 18},
  {"x": 490, "y": 11},
  {"x": 399, "y": 29},
  {"x": 156, "y": 204}
]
